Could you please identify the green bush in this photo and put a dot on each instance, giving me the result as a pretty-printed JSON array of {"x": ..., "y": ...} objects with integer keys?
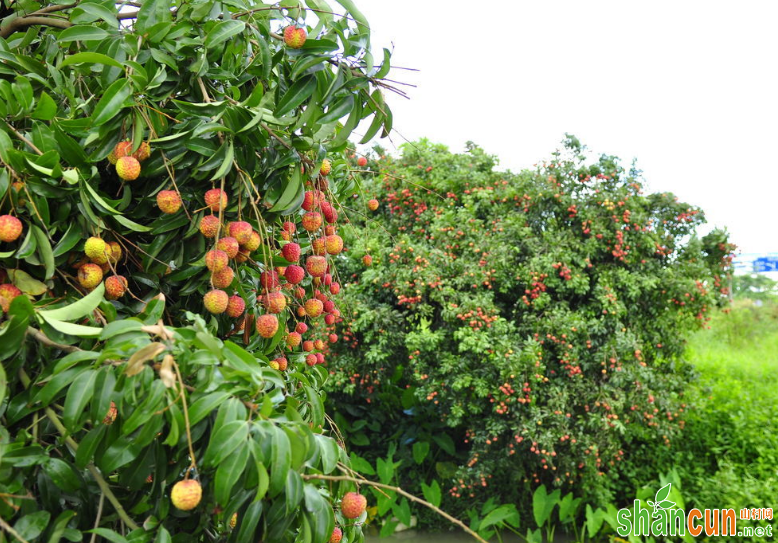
[{"x": 521, "y": 329}]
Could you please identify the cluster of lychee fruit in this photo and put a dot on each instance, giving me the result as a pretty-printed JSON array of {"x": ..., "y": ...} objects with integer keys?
[
  {"x": 128, "y": 162},
  {"x": 101, "y": 257}
]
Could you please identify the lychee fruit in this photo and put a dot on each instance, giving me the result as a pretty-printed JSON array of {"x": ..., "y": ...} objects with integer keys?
[
  {"x": 110, "y": 416},
  {"x": 318, "y": 344},
  {"x": 334, "y": 244},
  {"x": 223, "y": 278},
  {"x": 142, "y": 152},
  {"x": 334, "y": 288},
  {"x": 186, "y": 494},
  {"x": 326, "y": 167},
  {"x": 316, "y": 265},
  {"x": 216, "y": 301},
  {"x": 116, "y": 252},
  {"x": 10, "y": 228},
  {"x": 319, "y": 358},
  {"x": 168, "y": 201},
  {"x": 329, "y": 230},
  {"x": 120, "y": 150},
  {"x": 329, "y": 320},
  {"x": 115, "y": 287},
  {"x": 319, "y": 246},
  {"x": 269, "y": 279},
  {"x": 233, "y": 520},
  {"x": 267, "y": 325},
  {"x": 294, "y": 274},
  {"x": 311, "y": 200},
  {"x": 90, "y": 275},
  {"x": 95, "y": 250},
  {"x": 235, "y": 306},
  {"x": 209, "y": 226},
  {"x": 242, "y": 256},
  {"x": 330, "y": 215},
  {"x": 353, "y": 505},
  {"x": 216, "y": 260},
  {"x": 229, "y": 246},
  {"x": 337, "y": 535},
  {"x": 301, "y": 328},
  {"x": 293, "y": 339},
  {"x": 313, "y": 307},
  {"x": 128, "y": 168},
  {"x": 253, "y": 243},
  {"x": 289, "y": 227},
  {"x": 241, "y": 231},
  {"x": 274, "y": 302},
  {"x": 312, "y": 221},
  {"x": 282, "y": 363},
  {"x": 372, "y": 204},
  {"x": 367, "y": 260},
  {"x": 294, "y": 37},
  {"x": 361, "y": 162},
  {"x": 311, "y": 359},
  {"x": 291, "y": 252},
  {"x": 216, "y": 199},
  {"x": 7, "y": 293}
]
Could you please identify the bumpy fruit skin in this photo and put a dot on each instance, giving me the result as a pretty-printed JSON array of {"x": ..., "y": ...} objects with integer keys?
[
  {"x": 334, "y": 244},
  {"x": 10, "y": 228},
  {"x": 269, "y": 279},
  {"x": 301, "y": 328},
  {"x": 289, "y": 227},
  {"x": 275, "y": 302},
  {"x": 110, "y": 417},
  {"x": 7, "y": 293},
  {"x": 229, "y": 246},
  {"x": 313, "y": 307},
  {"x": 293, "y": 339},
  {"x": 294, "y": 274},
  {"x": 95, "y": 250},
  {"x": 168, "y": 201},
  {"x": 120, "y": 150},
  {"x": 326, "y": 167},
  {"x": 330, "y": 215},
  {"x": 216, "y": 301},
  {"x": 216, "y": 199},
  {"x": 312, "y": 199},
  {"x": 372, "y": 204},
  {"x": 294, "y": 37},
  {"x": 282, "y": 363},
  {"x": 319, "y": 246},
  {"x": 361, "y": 162},
  {"x": 185, "y": 495},
  {"x": 241, "y": 231},
  {"x": 236, "y": 306},
  {"x": 253, "y": 243},
  {"x": 352, "y": 505},
  {"x": 291, "y": 252},
  {"x": 142, "y": 152},
  {"x": 312, "y": 221},
  {"x": 337, "y": 535},
  {"x": 115, "y": 287},
  {"x": 116, "y": 252},
  {"x": 367, "y": 260},
  {"x": 128, "y": 168},
  {"x": 209, "y": 225},
  {"x": 233, "y": 520},
  {"x": 311, "y": 359},
  {"x": 316, "y": 265},
  {"x": 223, "y": 278},
  {"x": 90, "y": 275},
  {"x": 267, "y": 326},
  {"x": 334, "y": 288},
  {"x": 216, "y": 260}
]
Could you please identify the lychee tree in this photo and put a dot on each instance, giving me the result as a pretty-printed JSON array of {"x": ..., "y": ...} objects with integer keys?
[
  {"x": 170, "y": 179},
  {"x": 530, "y": 324}
]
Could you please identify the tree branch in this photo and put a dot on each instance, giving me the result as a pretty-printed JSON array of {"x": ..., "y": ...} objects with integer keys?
[
  {"x": 23, "y": 22},
  {"x": 7, "y": 527},
  {"x": 399, "y": 491}
]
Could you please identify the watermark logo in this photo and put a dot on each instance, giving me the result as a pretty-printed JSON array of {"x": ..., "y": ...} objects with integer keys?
[{"x": 662, "y": 518}]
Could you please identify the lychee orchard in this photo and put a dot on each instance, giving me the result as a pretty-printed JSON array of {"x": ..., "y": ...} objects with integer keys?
[{"x": 172, "y": 187}]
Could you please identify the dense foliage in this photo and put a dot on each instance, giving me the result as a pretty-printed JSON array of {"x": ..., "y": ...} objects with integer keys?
[
  {"x": 520, "y": 329},
  {"x": 106, "y": 405}
]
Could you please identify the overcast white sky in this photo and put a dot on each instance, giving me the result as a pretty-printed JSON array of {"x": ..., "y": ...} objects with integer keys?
[{"x": 688, "y": 88}]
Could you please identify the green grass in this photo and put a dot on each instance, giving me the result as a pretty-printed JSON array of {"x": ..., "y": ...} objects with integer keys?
[{"x": 729, "y": 454}]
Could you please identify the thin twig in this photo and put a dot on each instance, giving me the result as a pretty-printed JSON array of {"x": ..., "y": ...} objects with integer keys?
[
  {"x": 11, "y": 531},
  {"x": 97, "y": 518},
  {"x": 274, "y": 135},
  {"x": 400, "y": 491},
  {"x": 21, "y": 137}
]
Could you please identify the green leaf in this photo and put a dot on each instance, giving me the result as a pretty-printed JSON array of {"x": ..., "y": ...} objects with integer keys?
[
  {"x": 132, "y": 225},
  {"x": 247, "y": 522},
  {"x": 445, "y": 442},
  {"x": 293, "y": 187},
  {"x": 281, "y": 460},
  {"x": 224, "y": 441},
  {"x": 226, "y": 164},
  {"x": 593, "y": 520},
  {"x": 60, "y": 526},
  {"x": 432, "y": 492},
  {"x": 505, "y": 513},
  {"x": 364, "y": 27},
  {"x": 32, "y": 525},
  {"x": 112, "y": 102},
  {"x": 663, "y": 493},
  {"x": 110, "y": 535},
  {"x": 91, "y": 58},
  {"x": 44, "y": 251},
  {"x": 3, "y": 380},
  {"x": 82, "y": 33},
  {"x": 71, "y": 329},
  {"x": 420, "y": 451},
  {"x": 25, "y": 282},
  {"x": 78, "y": 396},
  {"x": 46, "y": 108},
  {"x": 203, "y": 406},
  {"x": 223, "y": 31},
  {"x": 300, "y": 91},
  {"x": 121, "y": 452},
  {"x": 12, "y": 334},
  {"x": 229, "y": 471},
  {"x": 338, "y": 110}
]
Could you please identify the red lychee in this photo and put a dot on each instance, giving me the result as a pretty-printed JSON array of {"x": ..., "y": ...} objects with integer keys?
[
  {"x": 289, "y": 227},
  {"x": 353, "y": 505},
  {"x": 267, "y": 325},
  {"x": 293, "y": 339},
  {"x": 294, "y": 37},
  {"x": 274, "y": 302},
  {"x": 216, "y": 301},
  {"x": 229, "y": 246},
  {"x": 115, "y": 287},
  {"x": 330, "y": 215},
  {"x": 235, "y": 306},
  {"x": 361, "y": 162},
  {"x": 216, "y": 199},
  {"x": 120, "y": 150},
  {"x": 334, "y": 288},
  {"x": 282, "y": 363},
  {"x": 128, "y": 168},
  {"x": 209, "y": 226},
  {"x": 269, "y": 279},
  {"x": 7, "y": 293},
  {"x": 301, "y": 328},
  {"x": 312, "y": 221},
  {"x": 223, "y": 278},
  {"x": 241, "y": 231},
  {"x": 253, "y": 243},
  {"x": 168, "y": 201},
  {"x": 291, "y": 252},
  {"x": 142, "y": 152},
  {"x": 316, "y": 265},
  {"x": 10, "y": 228},
  {"x": 311, "y": 359},
  {"x": 372, "y": 204},
  {"x": 334, "y": 244},
  {"x": 326, "y": 167},
  {"x": 313, "y": 307},
  {"x": 216, "y": 260},
  {"x": 294, "y": 274},
  {"x": 319, "y": 246},
  {"x": 367, "y": 260},
  {"x": 337, "y": 535}
]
